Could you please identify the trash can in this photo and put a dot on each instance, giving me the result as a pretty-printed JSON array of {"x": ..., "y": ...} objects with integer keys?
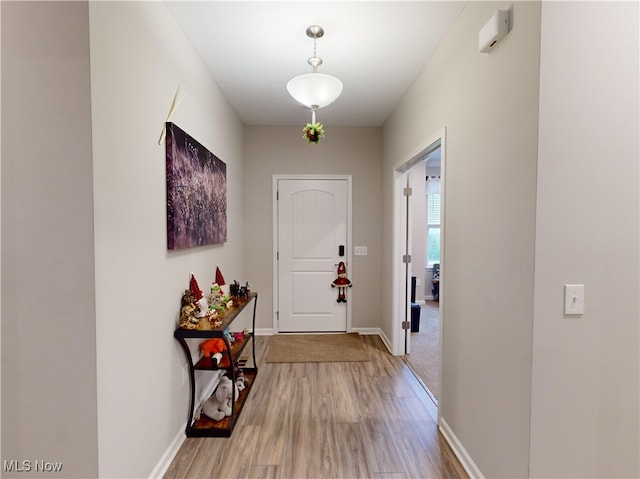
[
  {"x": 415, "y": 308},
  {"x": 415, "y": 318}
]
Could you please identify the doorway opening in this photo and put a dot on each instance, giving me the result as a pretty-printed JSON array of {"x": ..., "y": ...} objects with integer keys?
[
  {"x": 419, "y": 225},
  {"x": 425, "y": 218}
]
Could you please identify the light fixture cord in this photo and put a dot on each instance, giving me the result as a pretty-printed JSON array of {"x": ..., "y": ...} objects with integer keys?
[{"x": 315, "y": 55}]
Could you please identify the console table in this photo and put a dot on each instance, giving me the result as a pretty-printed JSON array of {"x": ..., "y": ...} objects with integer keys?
[{"x": 205, "y": 426}]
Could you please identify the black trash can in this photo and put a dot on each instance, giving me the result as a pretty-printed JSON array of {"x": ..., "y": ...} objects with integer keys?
[
  {"x": 415, "y": 318},
  {"x": 415, "y": 308}
]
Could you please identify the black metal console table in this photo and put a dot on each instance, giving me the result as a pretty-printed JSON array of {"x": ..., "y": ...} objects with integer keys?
[{"x": 205, "y": 426}]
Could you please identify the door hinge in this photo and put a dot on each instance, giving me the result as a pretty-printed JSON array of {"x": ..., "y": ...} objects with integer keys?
[
  {"x": 406, "y": 324},
  {"x": 407, "y": 191},
  {"x": 277, "y": 255},
  {"x": 278, "y": 315},
  {"x": 406, "y": 258}
]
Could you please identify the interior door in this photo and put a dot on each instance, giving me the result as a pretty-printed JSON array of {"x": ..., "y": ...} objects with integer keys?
[
  {"x": 312, "y": 240},
  {"x": 406, "y": 270}
]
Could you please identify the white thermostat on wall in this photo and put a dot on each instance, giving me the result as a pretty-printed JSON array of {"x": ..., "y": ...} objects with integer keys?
[{"x": 494, "y": 31}]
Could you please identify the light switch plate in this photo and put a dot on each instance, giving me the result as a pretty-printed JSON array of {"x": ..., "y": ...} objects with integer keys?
[
  {"x": 360, "y": 250},
  {"x": 574, "y": 299}
]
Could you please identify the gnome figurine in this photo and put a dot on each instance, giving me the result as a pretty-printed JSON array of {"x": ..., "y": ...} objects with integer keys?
[
  {"x": 215, "y": 296},
  {"x": 199, "y": 298},
  {"x": 342, "y": 283},
  {"x": 220, "y": 280}
]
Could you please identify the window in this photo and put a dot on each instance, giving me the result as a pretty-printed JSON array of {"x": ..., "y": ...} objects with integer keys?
[{"x": 433, "y": 228}]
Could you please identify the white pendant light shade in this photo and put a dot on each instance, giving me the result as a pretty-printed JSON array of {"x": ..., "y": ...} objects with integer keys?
[{"x": 315, "y": 90}]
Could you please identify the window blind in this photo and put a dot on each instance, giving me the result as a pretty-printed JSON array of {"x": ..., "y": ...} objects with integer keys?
[{"x": 433, "y": 209}]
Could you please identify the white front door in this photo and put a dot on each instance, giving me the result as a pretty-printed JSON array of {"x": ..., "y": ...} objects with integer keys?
[{"x": 312, "y": 236}]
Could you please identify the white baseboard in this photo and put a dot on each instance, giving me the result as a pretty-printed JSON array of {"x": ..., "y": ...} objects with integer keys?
[
  {"x": 264, "y": 332},
  {"x": 165, "y": 461},
  {"x": 461, "y": 453},
  {"x": 374, "y": 331},
  {"x": 366, "y": 331},
  {"x": 166, "y": 458},
  {"x": 386, "y": 341}
]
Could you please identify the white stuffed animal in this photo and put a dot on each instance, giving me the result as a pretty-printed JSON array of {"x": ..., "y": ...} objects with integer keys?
[
  {"x": 241, "y": 381},
  {"x": 219, "y": 404}
]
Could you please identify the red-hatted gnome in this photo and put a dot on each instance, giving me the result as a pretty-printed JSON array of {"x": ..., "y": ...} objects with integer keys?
[
  {"x": 198, "y": 297},
  {"x": 219, "y": 278},
  {"x": 216, "y": 294},
  {"x": 342, "y": 283}
]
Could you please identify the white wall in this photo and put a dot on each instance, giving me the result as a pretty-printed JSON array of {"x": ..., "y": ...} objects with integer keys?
[
  {"x": 489, "y": 106},
  {"x": 584, "y": 419},
  {"x": 347, "y": 151},
  {"x": 139, "y": 56},
  {"x": 48, "y": 294}
]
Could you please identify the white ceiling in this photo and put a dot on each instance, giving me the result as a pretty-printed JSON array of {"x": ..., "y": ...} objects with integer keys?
[{"x": 254, "y": 48}]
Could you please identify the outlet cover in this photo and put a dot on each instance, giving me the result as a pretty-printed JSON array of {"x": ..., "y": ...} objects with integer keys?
[{"x": 360, "y": 250}]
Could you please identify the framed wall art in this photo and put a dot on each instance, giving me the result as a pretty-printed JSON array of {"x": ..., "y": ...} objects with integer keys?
[{"x": 196, "y": 192}]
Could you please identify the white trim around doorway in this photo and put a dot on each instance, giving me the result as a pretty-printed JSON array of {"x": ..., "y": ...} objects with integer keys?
[{"x": 399, "y": 303}]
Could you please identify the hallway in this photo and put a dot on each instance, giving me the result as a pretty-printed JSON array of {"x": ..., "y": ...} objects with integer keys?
[{"x": 328, "y": 420}]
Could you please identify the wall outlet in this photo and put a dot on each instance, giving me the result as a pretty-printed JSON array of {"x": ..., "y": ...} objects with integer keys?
[
  {"x": 418, "y": 282},
  {"x": 360, "y": 250}
]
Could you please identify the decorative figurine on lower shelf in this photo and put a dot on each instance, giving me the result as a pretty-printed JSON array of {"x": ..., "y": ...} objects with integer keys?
[
  {"x": 227, "y": 334},
  {"x": 241, "y": 380},
  {"x": 213, "y": 348},
  {"x": 218, "y": 406}
]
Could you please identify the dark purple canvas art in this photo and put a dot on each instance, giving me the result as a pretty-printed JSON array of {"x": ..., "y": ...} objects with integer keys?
[{"x": 196, "y": 193}]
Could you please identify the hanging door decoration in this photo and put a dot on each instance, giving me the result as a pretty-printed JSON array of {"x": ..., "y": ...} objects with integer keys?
[{"x": 342, "y": 283}]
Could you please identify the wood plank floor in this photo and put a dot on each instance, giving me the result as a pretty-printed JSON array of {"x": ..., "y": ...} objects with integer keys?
[{"x": 327, "y": 420}]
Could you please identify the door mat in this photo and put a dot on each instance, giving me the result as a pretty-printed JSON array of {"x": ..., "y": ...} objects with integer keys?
[{"x": 316, "y": 348}]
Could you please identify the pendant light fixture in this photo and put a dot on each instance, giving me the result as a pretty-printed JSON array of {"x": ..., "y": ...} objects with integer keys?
[{"x": 314, "y": 90}]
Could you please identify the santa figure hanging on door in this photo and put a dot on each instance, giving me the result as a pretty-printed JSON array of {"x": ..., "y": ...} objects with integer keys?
[{"x": 342, "y": 283}]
